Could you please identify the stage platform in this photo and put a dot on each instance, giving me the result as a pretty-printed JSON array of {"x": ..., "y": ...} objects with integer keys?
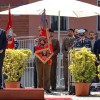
[
  {"x": 22, "y": 94},
  {"x": 64, "y": 94}
]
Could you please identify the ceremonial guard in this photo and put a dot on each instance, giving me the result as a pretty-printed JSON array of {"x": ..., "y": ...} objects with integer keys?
[
  {"x": 56, "y": 49},
  {"x": 43, "y": 52},
  {"x": 66, "y": 46}
]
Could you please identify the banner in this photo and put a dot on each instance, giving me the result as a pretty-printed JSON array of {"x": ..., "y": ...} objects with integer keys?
[
  {"x": 9, "y": 32},
  {"x": 44, "y": 50}
]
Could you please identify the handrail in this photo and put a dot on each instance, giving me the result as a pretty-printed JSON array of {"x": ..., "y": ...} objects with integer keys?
[{"x": 24, "y": 37}]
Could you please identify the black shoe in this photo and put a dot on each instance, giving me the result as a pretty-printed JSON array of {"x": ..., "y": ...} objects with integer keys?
[
  {"x": 1, "y": 87},
  {"x": 48, "y": 91},
  {"x": 65, "y": 89},
  {"x": 21, "y": 86},
  {"x": 54, "y": 89}
]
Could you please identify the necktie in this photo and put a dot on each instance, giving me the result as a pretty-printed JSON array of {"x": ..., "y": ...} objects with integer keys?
[{"x": 82, "y": 43}]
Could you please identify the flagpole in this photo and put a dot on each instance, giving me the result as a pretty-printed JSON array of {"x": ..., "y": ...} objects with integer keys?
[
  {"x": 59, "y": 26},
  {"x": 43, "y": 75},
  {"x": 59, "y": 31},
  {"x": 59, "y": 65}
]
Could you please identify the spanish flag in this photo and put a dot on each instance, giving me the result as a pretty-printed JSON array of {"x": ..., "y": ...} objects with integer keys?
[{"x": 9, "y": 32}]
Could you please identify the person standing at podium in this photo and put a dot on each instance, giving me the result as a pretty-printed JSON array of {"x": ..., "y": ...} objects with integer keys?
[
  {"x": 3, "y": 46},
  {"x": 66, "y": 46},
  {"x": 82, "y": 41}
]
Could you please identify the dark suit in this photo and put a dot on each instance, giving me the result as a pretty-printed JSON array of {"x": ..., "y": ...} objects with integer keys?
[
  {"x": 3, "y": 45},
  {"x": 96, "y": 51},
  {"x": 56, "y": 49},
  {"x": 96, "y": 48}
]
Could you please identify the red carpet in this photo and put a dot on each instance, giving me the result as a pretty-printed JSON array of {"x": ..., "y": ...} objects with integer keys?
[{"x": 57, "y": 99}]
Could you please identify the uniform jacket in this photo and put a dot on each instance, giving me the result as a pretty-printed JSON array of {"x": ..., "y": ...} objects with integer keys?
[
  {"x": 67, "y": 45},
  {"x": 86, "y": 42},
  {"x": 56, "y": 47}
]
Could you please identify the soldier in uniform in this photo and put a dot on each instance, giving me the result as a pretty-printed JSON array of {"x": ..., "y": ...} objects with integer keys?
[
  {"x": 82, "y": 41},
  {"x": 66, "y": 46},
  {"x": 56, "y": 49},
  {"x": 43, "y": 69}
]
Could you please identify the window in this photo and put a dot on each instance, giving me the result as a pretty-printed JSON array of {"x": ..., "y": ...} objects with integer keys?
[
  {"x": 98, "y": 17},
  {"x": 63, "y": 23}
]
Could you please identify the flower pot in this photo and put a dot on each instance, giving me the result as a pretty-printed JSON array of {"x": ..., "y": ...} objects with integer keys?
[
  {"x": 82, "y": 89},
  {"x": 12, "y": 84}
]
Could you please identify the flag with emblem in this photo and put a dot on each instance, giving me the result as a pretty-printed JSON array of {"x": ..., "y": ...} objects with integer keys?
[
  {"x": 9, "y": 32},
  {"x": 44, "y": 49}
]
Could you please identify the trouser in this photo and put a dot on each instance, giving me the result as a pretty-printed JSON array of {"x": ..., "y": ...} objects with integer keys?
[
  {"x": 19, "y": 80},
  {"x": 35, "y": 76},
  {"x": 65, "y": 64},
  {"x": 43, "y": 75},
  {"x": 96, "y": 79},
  {"x": 1, "y": 64},
  {"x": 53, "y": 72}
]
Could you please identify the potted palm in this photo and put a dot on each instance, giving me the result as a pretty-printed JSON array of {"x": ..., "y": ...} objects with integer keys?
[
  {"x": 14, "y": 65},
  {"x": 82, "y": 68}
]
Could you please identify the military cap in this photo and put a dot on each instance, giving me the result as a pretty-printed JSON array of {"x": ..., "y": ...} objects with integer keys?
[{"x": 81, "y": 31}]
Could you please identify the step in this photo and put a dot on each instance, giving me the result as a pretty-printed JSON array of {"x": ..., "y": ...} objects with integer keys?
[{"x": 22, "y": 93}]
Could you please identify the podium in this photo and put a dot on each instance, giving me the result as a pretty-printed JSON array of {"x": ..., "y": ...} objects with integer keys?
[{"x": 22, "y": 94}]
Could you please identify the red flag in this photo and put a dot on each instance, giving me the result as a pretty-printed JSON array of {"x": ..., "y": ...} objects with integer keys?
[
  {"x": 44, "y": 49},
  {"x": 10, "y": 32}
]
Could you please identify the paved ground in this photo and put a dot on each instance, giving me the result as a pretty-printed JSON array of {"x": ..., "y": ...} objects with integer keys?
[{"x": 93, "y": 96}]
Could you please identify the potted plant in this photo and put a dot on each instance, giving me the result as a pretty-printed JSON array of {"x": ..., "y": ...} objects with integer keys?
[
  {"x": 82, "y": 68},
  {"x": 99, "y": 71},
  {"x": 14, "y": 65}
]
